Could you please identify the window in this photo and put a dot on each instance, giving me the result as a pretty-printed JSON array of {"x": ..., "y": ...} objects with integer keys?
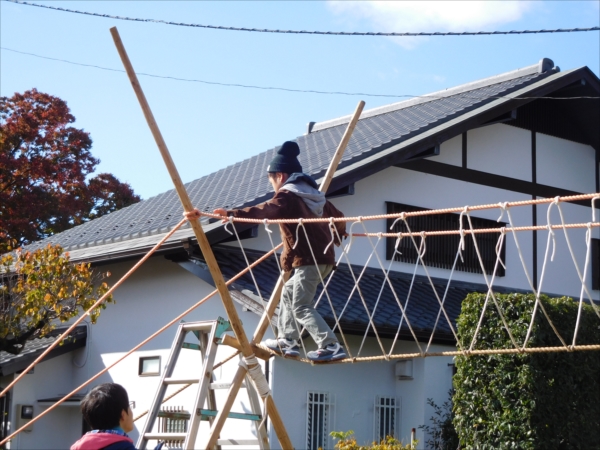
[
  {"x": 595, "y": 264},
  {"x": 317, "y": 420},
  {"x": 149, "y": 366},
  {"x": 173, "y": 419},
  {"x": 441, "y": 250},
  {"x": 386, "y": 418}
]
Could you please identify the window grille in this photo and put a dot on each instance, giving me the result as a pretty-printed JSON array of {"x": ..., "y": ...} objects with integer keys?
[
  {"x": 441, "y": 250},
  {"x": 317, "y": 420},
  {"x": 386, "y": 418},
  {"x": 595, "y": 264},
  {"x": 173, "y": 419}
]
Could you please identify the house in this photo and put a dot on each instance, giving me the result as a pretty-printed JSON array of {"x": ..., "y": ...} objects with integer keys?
[{"x": 521, "y": 135}]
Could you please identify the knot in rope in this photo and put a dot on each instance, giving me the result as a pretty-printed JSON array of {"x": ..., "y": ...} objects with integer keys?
[
  {"x": 499, "y": 246},
  {"x": 503, "y": 207},
  {"x": 300, "y": 224},
  {"x": 593, "y": 208},
  {"x": 229, "y": 222},
  {"x": 553, "y": 235},
  {"x": 266, "y": 223},
  {"x": 192, "y": 215},
  {"x": 465, "y": 211},
  {"x": 398, "y": 239},
  {"x": 556, "y": 200},
  {"x": 331, "y": 228},
  {"x": 394, "y": 224},
  {"x": 423, "y": 246}
]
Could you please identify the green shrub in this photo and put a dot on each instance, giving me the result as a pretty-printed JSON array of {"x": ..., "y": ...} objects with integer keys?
[
  {"x": 347, "y": 441},
  {"x": 441, "y": 434},
  {"x": 529, "y": 400}
]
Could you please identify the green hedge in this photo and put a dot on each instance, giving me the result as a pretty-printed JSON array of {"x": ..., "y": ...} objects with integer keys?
[{"x": 527, "y": 401}]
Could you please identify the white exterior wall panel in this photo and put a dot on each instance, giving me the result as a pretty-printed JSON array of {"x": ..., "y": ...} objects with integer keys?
[
  {"x": 565, "y": 164},
  {"x": 450, "y": 152},
  {"x": 501, "y": 150}
]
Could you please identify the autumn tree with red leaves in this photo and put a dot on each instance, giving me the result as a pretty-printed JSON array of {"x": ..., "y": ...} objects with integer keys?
[{"x": 44, "y": 165}]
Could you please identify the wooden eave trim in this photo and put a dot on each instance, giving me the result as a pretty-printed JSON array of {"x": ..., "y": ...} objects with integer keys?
[{"x": 488, "y": 179}]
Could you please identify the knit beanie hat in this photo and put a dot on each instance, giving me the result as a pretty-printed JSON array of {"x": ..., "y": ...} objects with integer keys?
[{"x": 286, "y": 159}]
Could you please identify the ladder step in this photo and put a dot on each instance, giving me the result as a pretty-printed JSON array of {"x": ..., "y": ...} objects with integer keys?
[
  {"x": 215, "y": 386},
  {"x": 166, "y": 436},
  {"x": 181, "y": 381},
  {"x": 237, "y": 442},
  {"x": 206, "y": 413}
]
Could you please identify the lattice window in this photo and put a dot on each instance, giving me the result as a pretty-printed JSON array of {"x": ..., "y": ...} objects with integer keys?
[
  {"x": 173, "y": 419},
  {"x": 386, "y": 418},
  {"x": 595, "y": 264},
  {"x": 317, "y": 420},
  {"x": 441, "y": 250}
]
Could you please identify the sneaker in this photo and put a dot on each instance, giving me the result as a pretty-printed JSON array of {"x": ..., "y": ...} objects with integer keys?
[
  {"x": 331, "y": 352},
  {"x": 285, "y": 347}
]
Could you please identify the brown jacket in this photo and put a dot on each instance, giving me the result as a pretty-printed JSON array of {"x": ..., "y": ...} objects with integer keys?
[{"x": 287, "y": 205}]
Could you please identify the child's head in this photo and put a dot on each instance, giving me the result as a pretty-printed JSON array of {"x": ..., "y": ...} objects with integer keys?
[
  {"x": 286, "y": 159},
  {"x": 107, "y": 406}
]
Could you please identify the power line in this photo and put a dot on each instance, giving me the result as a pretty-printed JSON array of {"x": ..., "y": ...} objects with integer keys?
[
  {"x": 274, "y": 88},
  {"x": 327, "y": 33}
]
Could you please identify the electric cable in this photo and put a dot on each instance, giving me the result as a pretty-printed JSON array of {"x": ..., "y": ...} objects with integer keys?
[
  {"x": 274, "y": 88},
  {"x": 306, "y": 32}
]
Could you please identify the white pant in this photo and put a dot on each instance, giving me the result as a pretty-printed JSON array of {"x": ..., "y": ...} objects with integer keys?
[{"x": 296, "y": 310}]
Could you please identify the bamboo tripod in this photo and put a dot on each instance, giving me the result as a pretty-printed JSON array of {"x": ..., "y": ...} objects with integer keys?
[{"x": 242, "y": 343}]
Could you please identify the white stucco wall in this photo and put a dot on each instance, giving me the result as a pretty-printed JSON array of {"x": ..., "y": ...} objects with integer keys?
[
  {"x": 61, "y": 426},
  {"x": 352, "y": 389},
  {"x": 500, "y": 149},
  {"x": 565, "y": 164}
]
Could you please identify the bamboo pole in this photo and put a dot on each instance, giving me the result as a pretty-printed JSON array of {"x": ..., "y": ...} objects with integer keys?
[{"x": 205, "y": 247}]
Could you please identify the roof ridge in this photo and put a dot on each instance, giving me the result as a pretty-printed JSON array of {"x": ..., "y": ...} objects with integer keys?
[{"x": 544, "y": 65}]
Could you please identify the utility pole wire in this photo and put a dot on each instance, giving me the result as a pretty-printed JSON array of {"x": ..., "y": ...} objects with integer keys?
[{"x": 326, "y": 33}]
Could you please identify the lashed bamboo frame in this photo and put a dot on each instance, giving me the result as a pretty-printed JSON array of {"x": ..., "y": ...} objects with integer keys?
[{"x": 208, "y": 254}]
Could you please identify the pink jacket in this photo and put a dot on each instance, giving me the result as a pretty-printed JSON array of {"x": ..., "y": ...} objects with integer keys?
[{"x": 97, "y": 441}]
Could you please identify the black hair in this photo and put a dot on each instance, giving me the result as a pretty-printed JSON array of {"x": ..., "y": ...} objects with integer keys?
[{"x": 102, "y": 406}]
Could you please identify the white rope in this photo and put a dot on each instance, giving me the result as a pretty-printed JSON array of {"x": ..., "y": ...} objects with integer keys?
[
  {"x": 458, "y": 341},
  {"x": 420, "y": 254},
  {"x": 398, "y": 239},
  {"x": 387, "y": 278},
  {"x": 262, "y": 301},
  {"x": 489, "y": 284},
  {"x": 581, "y": 277},
  {"x": 437, "y": 319},
  {"x": 327, "y": 294},
  {"x": 588, "y": 241},
  {"x": 356, "y": 288},
  {"x": 538, "y": 302}
]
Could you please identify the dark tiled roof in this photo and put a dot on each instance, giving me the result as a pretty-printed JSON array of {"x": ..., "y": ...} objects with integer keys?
[
  {"x": 422, "y": 309},
  {"x": 245, "y": 182},
  {"x": 10, "y": 363}
]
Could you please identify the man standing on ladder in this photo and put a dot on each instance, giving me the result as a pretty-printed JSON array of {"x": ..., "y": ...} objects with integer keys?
[{"x": 297, "y": 196}]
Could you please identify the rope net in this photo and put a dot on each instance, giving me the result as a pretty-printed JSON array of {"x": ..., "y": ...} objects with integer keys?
[
  {"x": 484, "y": 246},
  {"x": 370, "y": 300}
]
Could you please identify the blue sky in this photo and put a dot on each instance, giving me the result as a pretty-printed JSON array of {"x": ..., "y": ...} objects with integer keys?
[{"x": 208, "y": 127}]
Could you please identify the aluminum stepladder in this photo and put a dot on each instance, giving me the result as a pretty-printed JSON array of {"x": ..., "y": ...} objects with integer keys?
[{"x": 208, "y": 334}]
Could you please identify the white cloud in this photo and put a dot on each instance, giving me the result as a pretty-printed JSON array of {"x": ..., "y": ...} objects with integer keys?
[{"x": 449, "y": 15}]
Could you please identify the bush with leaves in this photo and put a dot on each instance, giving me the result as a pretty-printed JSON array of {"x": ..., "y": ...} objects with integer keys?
[
  {"x": 529, "y": 400},
  {"x": 40, "y": 289},
  {"x": 347, "y": 441},
  {"x": 441, "y": 433}
]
